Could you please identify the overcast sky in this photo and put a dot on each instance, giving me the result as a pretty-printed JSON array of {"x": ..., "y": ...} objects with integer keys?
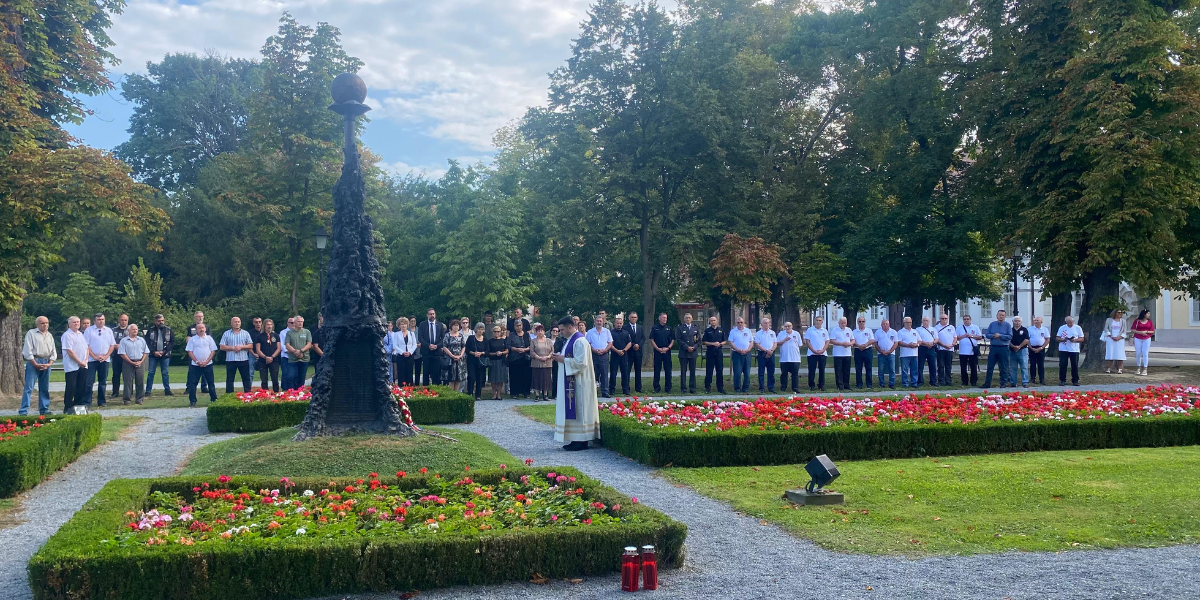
[{"x": 442, "y": 75}]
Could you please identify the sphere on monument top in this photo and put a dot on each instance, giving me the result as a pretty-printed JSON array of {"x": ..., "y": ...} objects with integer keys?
[{"x": 348, "y": 87}]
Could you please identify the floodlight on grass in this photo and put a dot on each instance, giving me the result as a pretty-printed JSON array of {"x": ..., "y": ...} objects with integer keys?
[{"x": 822, "y": 471}]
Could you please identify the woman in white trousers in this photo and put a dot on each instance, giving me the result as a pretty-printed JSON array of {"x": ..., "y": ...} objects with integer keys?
[
  {"x": 1143, "y": 331},
  {"x": 1114, "y": 341}
]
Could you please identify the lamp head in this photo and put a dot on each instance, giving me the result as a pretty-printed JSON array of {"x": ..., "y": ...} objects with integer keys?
[{"x": 822, "y": 471}]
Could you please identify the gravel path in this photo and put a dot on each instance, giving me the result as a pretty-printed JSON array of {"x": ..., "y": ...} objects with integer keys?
[
  {"x": 152, "y": 448},
  {"x": 731, "y": 555}
]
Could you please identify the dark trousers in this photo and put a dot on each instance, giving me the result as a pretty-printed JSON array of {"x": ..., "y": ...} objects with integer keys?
[
  {"x": 816, "y": 371},
  {"x": 1037, "y": 367},
  {"x": 433, "y": 370},
  {"x": 418, "y": 362},
  {"x": 998, "y": 358},
  {"x": 233, "y": 367},
  {"x": 687, "y": 372},
  {"x": 618, "y": 365},
  {"x": 600, "y": 364},
  {"x": 285, "y": 373},
  {"x": 714, "y": 361},
  {"x": 520, "y": 377},
  {"x": 926, "y": 356},
  {"x": 117, "y": 364},
  {"x": 766, "y": 372},
  {"x": 1063, "y": 359},
  {"x": 841, "y": 372},
  {"x": 635, "y": 365},
  {"x": 299, "y": 369},
  {"x": 76, "y": 390},
  {"x": 789, "y": 371},
  {"x": 272, "y": 369},
  {"x": 662, "y": 360},
  {"x": 404, "y": 368},
  {"x": 740, "y": 363},
  {"x": 476, "y": 375},
  {"x": 968, "y": 362},
  {"x": 862, "y": 359},
  {"x": 158, "y": 363},
  {"x": 198, "y": 374},
  {"x": 97, "y": 372},
  {"x": 945, "y": 363}
]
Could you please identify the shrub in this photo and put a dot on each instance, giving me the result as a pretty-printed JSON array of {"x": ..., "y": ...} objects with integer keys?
[
  {"x": 74, "y": 563},
  {"x": 737, "y": 447},
  {"x": 230, "y": 414},
  {"x": 25, "y": 460}
]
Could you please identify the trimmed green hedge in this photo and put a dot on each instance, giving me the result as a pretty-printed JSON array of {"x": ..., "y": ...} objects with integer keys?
[
  {"x": 227, "y": 414},
  {"x": 741, "y": 447},
  {"x": 70, "y": 565},
  {"x": 27, "y": 460}
]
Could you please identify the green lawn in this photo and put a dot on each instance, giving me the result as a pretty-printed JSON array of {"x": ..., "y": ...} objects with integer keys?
[
  {"x": 1041, "y": 501},
  {"x": 112, "y": 427},
  {"x": 542, "y": 413},
  {"x": 273, "y": 453},
  {"x": 178, "y": 375}
]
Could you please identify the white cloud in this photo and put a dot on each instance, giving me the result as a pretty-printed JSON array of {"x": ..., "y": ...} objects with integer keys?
[{"x": 452, "y": 69}]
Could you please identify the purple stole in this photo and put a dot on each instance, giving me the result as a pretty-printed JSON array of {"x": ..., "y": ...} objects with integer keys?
[{"x": 569, "y": 380}]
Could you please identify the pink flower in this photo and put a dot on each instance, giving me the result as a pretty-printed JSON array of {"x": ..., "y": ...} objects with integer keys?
[
  {"x": 634, "y": 499},
  {"x": 553, "y": 517},
  {"x": 223, "y": 479}
]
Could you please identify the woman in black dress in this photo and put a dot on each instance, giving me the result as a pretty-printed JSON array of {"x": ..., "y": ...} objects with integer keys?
[
  {"x": 477, "y": 362},
  {"x": 520, "y": 371},
  {"x": 497, "y": 351}
]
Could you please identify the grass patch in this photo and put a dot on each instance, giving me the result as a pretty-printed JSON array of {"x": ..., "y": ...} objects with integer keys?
[
  {"x": 274, "y": 453},
  {"x": 112, "y": 428},
  {"x": 1040, "y": 501},
  {"x": 542, "y": 413}
]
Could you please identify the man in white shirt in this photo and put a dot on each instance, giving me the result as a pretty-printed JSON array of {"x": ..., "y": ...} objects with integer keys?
[
  {"x": 1039, "y": 340},
  {"x": 909, "y": 343},
  {"x": 75, "y": 360},
  {"x": 101, "y": 346},
  {"x": 201, "y": 349},
  {"x": 864, "y": 341},
  {"x": 39, "y": 354},
  {"x": 601, "y": 341},
  {"x": 132, "y": 351},
  {"x": 237, "y": 344},
  {"x": 816, "y": 343},
  {"x": 741, "y": 343},
  {"x": 885, "y": 342},
  {"x": 1070, "y": 336},
  {"x": 926, "y": 353},
  {"x": 842, "y": 341},
  {"x": 285, "y": 375},
  {"x": 946, "y": 338},
  {"x": 765, "y": 342},
  {"x": 788, "y": 343},
  {"x": 969, "y": 337}
]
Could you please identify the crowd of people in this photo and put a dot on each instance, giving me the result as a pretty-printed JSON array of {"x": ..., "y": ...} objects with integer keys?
[{"x": 516, "y": 357}]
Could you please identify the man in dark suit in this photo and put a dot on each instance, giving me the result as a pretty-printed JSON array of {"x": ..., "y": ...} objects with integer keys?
[
  {"x": 429, "y": 336},
  {"x": 637, "y": 337},
  {"x": 688, "y": 336},
  {"x": 714, "y": 340},
  {"x": 620, "y": 357},
  {"x": 661, "y": 341}
]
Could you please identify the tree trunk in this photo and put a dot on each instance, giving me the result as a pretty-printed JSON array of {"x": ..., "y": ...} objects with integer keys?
[
  {"x": 1060, "y": 307},
  {"x": 1100, "y": 289},
  {"x": 12, "y": 366},
  {"x": 912, "y": 308},
  {"x": 648, "y": 291},
  {"x": 896, "y": 315}
]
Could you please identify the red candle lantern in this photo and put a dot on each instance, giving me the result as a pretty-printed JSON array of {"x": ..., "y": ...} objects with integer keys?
[
  {"x": 629, "y": 569},
  {"x": 649, "y": 568}
]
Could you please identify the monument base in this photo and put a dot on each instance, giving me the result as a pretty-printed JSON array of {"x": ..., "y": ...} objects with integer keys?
[{"x": 806, "y": 498}]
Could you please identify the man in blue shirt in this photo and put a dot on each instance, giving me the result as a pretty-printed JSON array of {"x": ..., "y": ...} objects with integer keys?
[{"x": 998, "y": 335}]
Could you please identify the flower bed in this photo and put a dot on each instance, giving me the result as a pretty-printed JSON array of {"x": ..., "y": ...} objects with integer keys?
[
  {"x": 263, "y": 410},
  {"x": 32, "y": 448},
  {"x": 792, "y": 430},
  {"x": 270, "y": 538}
]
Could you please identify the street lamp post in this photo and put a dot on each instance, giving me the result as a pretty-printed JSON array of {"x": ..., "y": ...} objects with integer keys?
[
  {"x": 1017, "y": 254},
  {"x": 322, "y": 239}
]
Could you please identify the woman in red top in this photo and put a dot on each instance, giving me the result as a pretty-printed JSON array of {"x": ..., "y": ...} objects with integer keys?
[{"x": 1143, "y": 330}]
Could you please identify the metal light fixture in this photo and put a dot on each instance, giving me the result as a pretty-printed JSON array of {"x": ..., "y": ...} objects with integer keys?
[
  {"x": 321, "y": 238},
  {"x": 823, "y": 472}
]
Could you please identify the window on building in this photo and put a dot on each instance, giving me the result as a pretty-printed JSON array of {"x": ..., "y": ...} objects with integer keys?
[
  {"x": 1009, "y": 298},
  {"x": 876, "y": 313},
  {"x": 964, "y": 308},
  {"x": 1195, "y": 312},
  {"x": 985, "y": 309}
]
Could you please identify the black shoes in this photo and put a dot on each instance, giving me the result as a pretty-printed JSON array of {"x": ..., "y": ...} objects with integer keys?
[{"x": 576, "y": 446}]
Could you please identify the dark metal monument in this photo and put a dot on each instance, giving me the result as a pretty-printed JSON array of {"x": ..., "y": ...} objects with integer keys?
[{"x": 350, "y": 389}]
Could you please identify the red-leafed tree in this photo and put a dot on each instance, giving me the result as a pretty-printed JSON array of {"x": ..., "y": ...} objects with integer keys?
[{"x": 745, "y": 268}]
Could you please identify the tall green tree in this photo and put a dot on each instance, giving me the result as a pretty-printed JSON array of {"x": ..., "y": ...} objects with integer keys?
[
  {"x": 188, "y": 109},
  {"x": 52, "y": 52},
  {"x": 1087, "y": 144}
]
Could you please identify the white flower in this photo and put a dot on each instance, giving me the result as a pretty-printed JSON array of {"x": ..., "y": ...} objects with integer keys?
[
  {"x": 308, "y": 493},
  {"x": 299, "y": 509},
  {"x": 300, "y": 531},
  {"x": 185, "y": 517},
  {"x": 249, "y": 509}
]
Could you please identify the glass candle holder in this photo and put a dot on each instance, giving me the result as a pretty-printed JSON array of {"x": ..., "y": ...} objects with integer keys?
[
  {"x": 649, "y": 559},
  {"x": 630, "y": 566}
]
